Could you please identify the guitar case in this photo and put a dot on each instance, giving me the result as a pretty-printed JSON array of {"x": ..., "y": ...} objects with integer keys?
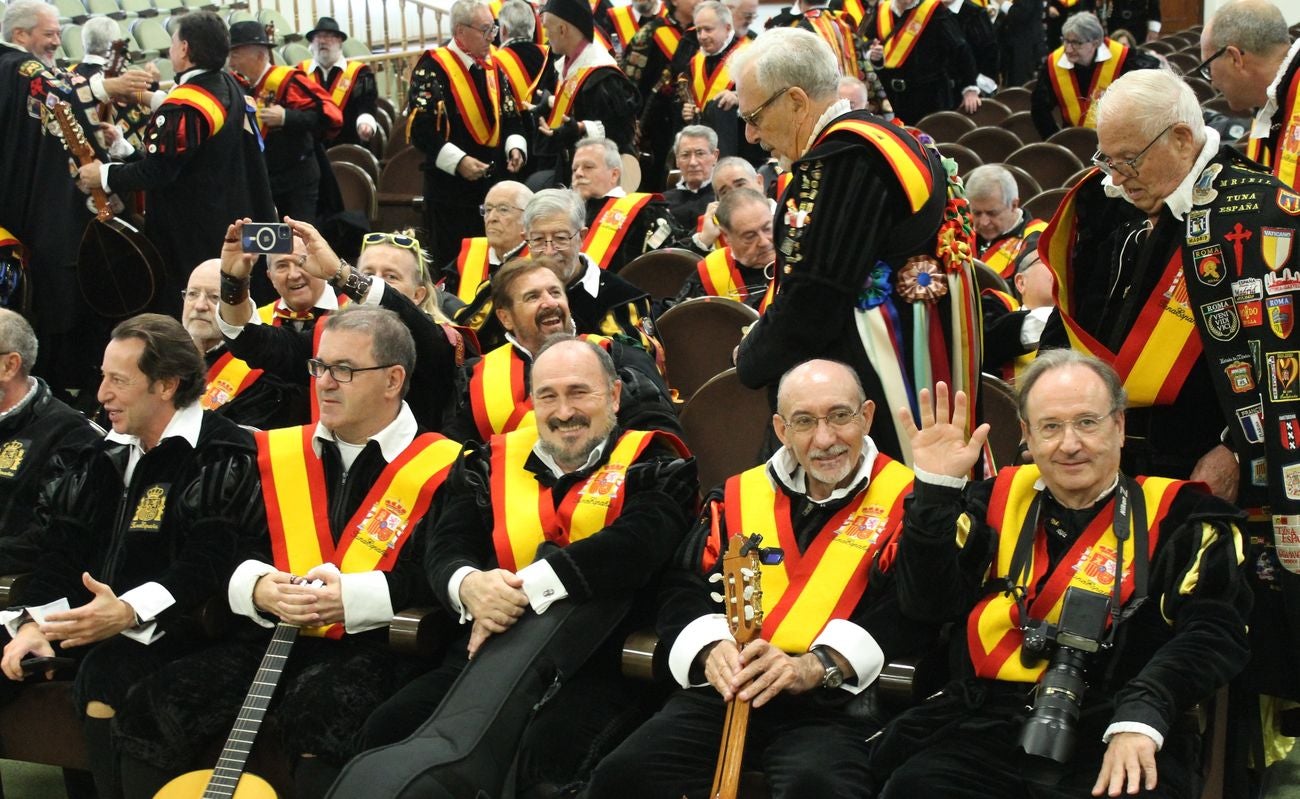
[{"x": 467, "y": 747}]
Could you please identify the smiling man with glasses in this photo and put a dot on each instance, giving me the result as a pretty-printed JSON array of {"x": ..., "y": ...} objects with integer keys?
[
  {"x": 1076, "y": 73},
  {"x": 1249, "y": 57}
]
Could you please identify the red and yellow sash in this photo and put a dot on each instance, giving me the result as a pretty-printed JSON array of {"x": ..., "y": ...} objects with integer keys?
[
  {"x": 721, "y": 277},
  {"x": 1001, "y": 255},
  {"x": 667, "y": 36},
  {"x": 482, "y": 120},
  {"x": 343, "y": 84},
  {"x": 993, "y": 635},
  {"x": 837, "y": 33},
  {"x": 268, "y": 90},
  {"x": 568, "y": 93},
  {"x": 473, "y": 265},
  {"x": 275, "y": 314},
  {"x": 202, "y": 101},
  {"x": 855, "y": 11},
  {"x": 1284, "y": 158},
  {"x": 805, "y": 591},
  {"x": 524, "y": 512},
  {"x": 498, "y": 393},
  {"x": 1163, "y": 346},
  {"x": 900, "y": 37},
  {"x": 610, "y": 226},
  {"x": 227, "y": 377},
  {"x": 911, "y": 168},
  {"x": 625, "y": 23},
  {"x": 705, "y": 87},
  {"x": 512, "y": 66},
  {"x": 1076, "y": 107},
  {"x": 297, "y": 505}
]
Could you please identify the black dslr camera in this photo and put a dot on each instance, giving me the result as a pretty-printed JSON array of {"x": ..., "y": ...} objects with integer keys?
[{"x": 1049, "y": 731}]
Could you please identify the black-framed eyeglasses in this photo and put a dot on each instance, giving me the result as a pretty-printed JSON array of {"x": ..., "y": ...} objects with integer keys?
[
  {"x": 1128, "y": 168},
  {"x": 340, "y": 372},
  {"x": 806, "y": 422},
  {"x": 488, "y": 31},
  {"x": 1203, "y": 68},
  {"x": 557, "y": 240},
  {"x": 751, "y": 118}
]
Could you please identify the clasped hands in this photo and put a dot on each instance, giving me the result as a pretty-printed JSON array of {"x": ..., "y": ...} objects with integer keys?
[
  {"x": 313, "y": 600},
  {"x": 760, "y": 671}
]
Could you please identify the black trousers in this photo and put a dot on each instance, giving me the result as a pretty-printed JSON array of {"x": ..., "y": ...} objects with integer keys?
[{"x": 805, "y": 745}]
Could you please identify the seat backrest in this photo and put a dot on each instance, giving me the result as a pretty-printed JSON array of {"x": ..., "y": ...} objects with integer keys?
[
  {"x": 991, "y": 144},
  {"x": 1044, "y": 204},
  {"x": 986, "y": 278},
  {"x": 998, "y": 403},
  {"x": 660, "y": 273},
  {"x": 1080, "y": 141},
  {"x": 1050, "y": 164},
  {"x": 151, "y": 36},
  {"x": 355, "y": 48},
  {"x": 356, "y": 188},
  {"x": 295, "y": 54},
  {"x": 1017, "y": 98},
  {"x": 990, "y": 112},
  {"x": 355, "y": 154},
  {"x": 103, "y": 6},
  {"x": 269, "y": 16},
  {"x": 1183, "y": 63},
  {"x": 141, "y": 8},
  {"x": 946, "y": 125},
  {"x": 699, "y": 337},
  {"x": 240, "y": 15},
  {"x": 966, "y": 158},
  {"x": 1021, "y": 123},
  {"x": 72, "y": 9},
  {"x": 397, "y": 140},
  {"x": 165, "y": 69},
  {"x": 71, "y": 35},
  {"x": 402, "y": 175},
  {"x": 725, "y": 425}
]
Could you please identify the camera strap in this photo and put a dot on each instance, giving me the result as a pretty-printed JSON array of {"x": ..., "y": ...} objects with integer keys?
[{"x": 1130, "y": 518}]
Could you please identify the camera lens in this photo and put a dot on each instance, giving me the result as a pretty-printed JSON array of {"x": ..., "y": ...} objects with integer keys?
[
  {"x": 265, "y": 239},
  {"x": 1049, "y": 731}
]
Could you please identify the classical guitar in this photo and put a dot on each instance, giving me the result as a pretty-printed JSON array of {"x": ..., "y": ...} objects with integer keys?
[
  {"x": 228, "y": 780},
  {"x": 742, "y": 601},
  {"x": 117, "y": 266}
]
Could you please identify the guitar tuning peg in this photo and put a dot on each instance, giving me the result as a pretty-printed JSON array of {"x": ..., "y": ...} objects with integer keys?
[
  {"x": 716, "y": 577},
  {"x": 749, "y": 613},
  {"x": 748, "y": 593},
  {"x": 715, "y": 596},
  {"x": 747, "y": 573}
]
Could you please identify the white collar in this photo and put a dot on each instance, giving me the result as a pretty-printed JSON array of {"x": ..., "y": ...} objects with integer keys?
[
  {"x": 1102, "y": 54},
  {"x": 544, "y": 457},
  {"x": 91, "y": 58},
  {"x": 1264, "y": 118},
  {"x": 723, "y": 49},
  {"x": 590, "y": 280},
  {"x": 681, "y": 184},
  {"x": 465, "y": 58},
  {"x": 190, "y": 74},
  {"x": 269, "y": 64},
  {"x": 591, "y": 56},
  {"x": 617, "y": 191},
  {"x": 393, "y": 439},
  {"x": 783, "y": 466},
  {"x": 836, "y": 109},
  {"x": 897, "y": 10},
  {"x": 185, "y": 423},
  {"x": 954, "y": 6},
  {"x": 497, "y": 260},
  {"x": 327, "y": 301},
  {"x": 342, "y": 63},
  {"x": 1020, "y": 217},
  {"x": 1180, "y": 199}
]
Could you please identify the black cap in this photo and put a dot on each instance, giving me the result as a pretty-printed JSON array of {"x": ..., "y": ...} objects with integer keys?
[
  {"x": 575, "y": 12},
  {"x": 326, "y": 25},
  {"x": 250, "y": 32}
]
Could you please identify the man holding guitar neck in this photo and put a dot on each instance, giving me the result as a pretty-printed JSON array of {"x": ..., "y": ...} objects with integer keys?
[{"x": 834, "y": 505}]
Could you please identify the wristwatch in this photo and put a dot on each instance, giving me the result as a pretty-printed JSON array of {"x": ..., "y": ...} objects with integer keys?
[{"x": 833, "y": 677}]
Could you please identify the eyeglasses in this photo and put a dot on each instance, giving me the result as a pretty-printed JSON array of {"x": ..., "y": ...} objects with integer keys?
[
  {"x": 1127, "y": 169},
  {"x": 192, "y": 295},
  {"x": 341, "y": 373},
  {"x": 488, "y": 31},
  {"x": 399, "y": 241},
  {"x": 806, "y": 423},
  {"x": 694, "y": 155},
  {"x": 1203, "y": 68},
  {"x": 484, "y": 210},
  {"x": 751, "y": 118},
  {"x": 1085, "y": 426},
  {"x": 1074, "y": 43},
  {"x": 559, "y": 241}
]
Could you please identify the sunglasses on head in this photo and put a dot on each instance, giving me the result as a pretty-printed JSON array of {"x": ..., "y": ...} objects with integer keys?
[{"x": 396, "y": 240}]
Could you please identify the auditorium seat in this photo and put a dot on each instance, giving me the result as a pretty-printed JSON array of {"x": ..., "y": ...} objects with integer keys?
[
  {"x": 990, "y": 112},
  {"x": 699, "y": 337},
  {"x": 356, "y": 188},
  {"x": 108, "y": 8},
  {"x": 1078, "y": 176},
  {"x": 295, "y": 53},
  {"x": 240, "y": 15},
  {"x": 355, "y": 154},
  {"x": 140, "y": 8},
  {"x": 998, "y": 406},
  {"x": 1050, "y": 164},
  {"x": 1219, "y": 105},
  {"x": 1043, "y": 205},
  {"x": 71, "y": 36},
  {"x": 725, "y": 425},
  {"x": 387, "y": 105},
  {"x": 73, "y": 10},
  {"x": 170, "y": 6},
  {"x": 397, "y": 140},
  {"x": 355, "y": 48},
  {"x": 401, "y": 191},
  {"x": 946, "y": 125},
  {"x": 1204, "y": 91},
  {"x": 283, "y": 30},
  {"x": 151, "y": 36},
  {"x": 1161, "y": 46},
  {"x": 1026, "y": 185},
  {"x": 385, "y": 121},
  {"x": 991, "y": 144},
  {"x": 1017, "y": 98},
  {"x": 1183, "y": 63},
  {"x": 1021, "y": 123},
  {"x": 966, "y": 158},
  {"x": 1078, "y": 140},
  {"x": 986, "y": 278},
  {"x": 660, "y": 273}
]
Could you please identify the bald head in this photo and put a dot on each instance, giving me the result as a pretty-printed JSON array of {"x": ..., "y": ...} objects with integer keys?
[
  {"x": 823, "y": 373},
  {"x": 822, "y": 420},
  {"x": 199, "y": 312}
]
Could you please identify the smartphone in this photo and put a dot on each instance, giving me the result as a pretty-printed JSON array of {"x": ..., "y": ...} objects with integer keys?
[
  {"x": 39, "y": 665},
  {"x": 267, "y": 237}
]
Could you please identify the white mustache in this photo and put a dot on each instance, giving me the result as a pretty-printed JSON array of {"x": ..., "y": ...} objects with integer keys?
[{"x": 830, "y": 452}]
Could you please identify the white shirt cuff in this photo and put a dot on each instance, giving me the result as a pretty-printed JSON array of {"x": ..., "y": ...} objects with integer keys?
[
  {"x": 156, "y": 99},
  {"x": 1005, "y": 6},
  {"x": 120, "y": 149},
  {"x": 542, "y": 585},
  {"x": 9, "y": 618},
  {"x": 692, "y": 639},
  {"x": 366, "y": 119},
  {"x": 939, "y": 479},
  {"x": 594, "y": 129},
  {"x": 986, "y": 84},
  {"x": 449, "y": 158},
  {"x": 453, "y": 591},
  {"x": 148, "y": 600},
  {"x": 1153, "y": 25},
  {"x": 1133, "y": 726},
  {"x": 97, "y": 87},
  {"x": 857, "y": 647},
  {"x": 232, "y": 331},
  {"x": 376, "y": 292},
  {"x": 516, "y": 142},
  {"x": 1031, "y": 329},
  {"x": 975, "y": 89},
  {"x": 103, "y": 177},
  {"x": 367, "y": 604},
  {"x": 239, "y": 590}
]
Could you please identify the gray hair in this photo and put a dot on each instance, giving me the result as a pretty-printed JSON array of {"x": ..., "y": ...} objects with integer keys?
[
  {"x": 735, "y": 162},
  {"x": 612, "y": 159},
  {"x": 990, "y": 178},
  {"x": 724, "y": 13},
  {"x": 563, "y": 339},
  {"x": 390, "y": 339},
  {"x": 697, "y": 131},
  {"x": 1084, "y": 24},
  {"x": 23, "y": 15},
  {"x": 517, "y": 20},
  {"x": 16, "y": 335},
  {"x": 1049, "y": 360},
  {"x": 98, "y": 34},
  {"x": 1162, "y": 98},
  {"x": 520, "y": 194},
  {"x": 1252, "y": 27},
  {"x": 556, "y": 202},
  {"x": 785, "y": 57},
  {"x": 734, "y": 200},
  {"x": 462, "y": 11}
]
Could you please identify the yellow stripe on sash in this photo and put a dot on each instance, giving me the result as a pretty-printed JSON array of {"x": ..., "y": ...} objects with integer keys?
[
  {"x": 912, "y": 171},
  {"x": 193, "y": 96},
  {"x": 483, "y": 120}
]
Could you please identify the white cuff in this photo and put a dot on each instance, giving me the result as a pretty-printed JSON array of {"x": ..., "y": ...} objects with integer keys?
[
  {"x": 692, "y": 639},
  {"x": 516, "y": 142},
  {"x": 367, "y": 604},
  {"x": 1031, "y": 329},
  {"x": 376, "y": 292},
  {"x": 1133, "y": 726},
  {"x": 857, "y": 647},
  {"x": 103, "y": 177},
  {"x": 986, "y": 84},
  {"x": 1153, "y": 25},
  {"x": 1005, "y": 6},
  {"x": 542, "y": 585},
  {"x": 148, "y": 600},
  {"x": 453, "y": 591},
  {"x": 939, "y": 479},
  {"x": 144, "y": 634},
  {"x": 97, "y": 87},
  {"x": 593, "y": 129},
  {"x": 974, "y": 88},
  {"x": 366, "y": 119},
  {"x": 9, "y": 618},
  {"x": 157, "y": 99},
  {"x": 119, "y": 149},
  {"x": 232, "y": 331},
  {"x": 449, "y": 158},
  {"x": 239, "y": 589}
]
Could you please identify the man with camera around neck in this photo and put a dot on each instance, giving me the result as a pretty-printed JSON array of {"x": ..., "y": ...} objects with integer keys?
[{"x": 1024, "y": 563}]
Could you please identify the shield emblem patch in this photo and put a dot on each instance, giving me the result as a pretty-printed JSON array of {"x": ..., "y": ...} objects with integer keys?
[{"x": 1275, "y": 243}]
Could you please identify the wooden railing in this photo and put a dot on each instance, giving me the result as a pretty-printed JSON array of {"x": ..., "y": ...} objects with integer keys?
[
  {"x": 386, "y": 26},
  {"x": 392, "y": 72}
]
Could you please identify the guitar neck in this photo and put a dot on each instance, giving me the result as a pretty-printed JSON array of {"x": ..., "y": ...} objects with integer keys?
[
  {"x": 234, "y": 755},
  {"x": 74, "y": 139}
]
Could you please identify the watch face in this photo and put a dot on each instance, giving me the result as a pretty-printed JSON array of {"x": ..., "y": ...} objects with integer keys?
[{"x": 834, "y": 677}]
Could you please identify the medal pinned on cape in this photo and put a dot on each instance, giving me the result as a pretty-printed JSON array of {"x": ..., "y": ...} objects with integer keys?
[{"x": 922, "y": 280}]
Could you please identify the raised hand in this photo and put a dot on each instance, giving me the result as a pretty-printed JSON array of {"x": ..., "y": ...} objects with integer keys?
[{"x": 940, "y": 445}]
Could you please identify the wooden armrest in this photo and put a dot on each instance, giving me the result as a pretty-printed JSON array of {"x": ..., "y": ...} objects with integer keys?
[
  {"x": 419, "y": 631},
  {"x": 639, "y": 655},
  {"x": 11, "y": 587}
]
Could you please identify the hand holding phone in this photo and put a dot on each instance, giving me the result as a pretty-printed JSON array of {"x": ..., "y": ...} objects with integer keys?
[{"x": 38, "y": 665}]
